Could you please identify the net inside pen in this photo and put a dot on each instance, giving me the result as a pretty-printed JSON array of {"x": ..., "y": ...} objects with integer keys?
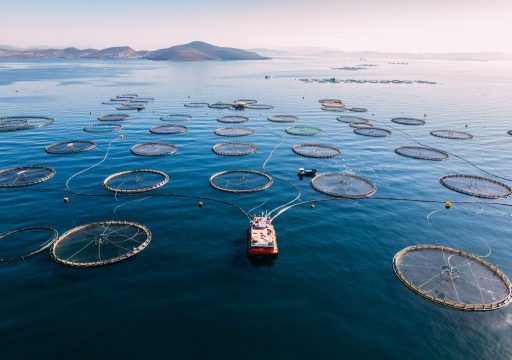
[
  {"x": 343, "y": 185},
  {"x": 241, "y": 181}
]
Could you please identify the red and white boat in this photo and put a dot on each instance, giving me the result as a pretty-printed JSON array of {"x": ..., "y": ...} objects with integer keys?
[{"x": 261, "y": 237}]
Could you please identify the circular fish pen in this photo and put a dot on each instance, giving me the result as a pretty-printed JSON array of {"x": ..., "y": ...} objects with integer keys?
[
  {"x": 135, "y": 181},
  {"x": 168, "y": 129},
  {"x": 259, "y": 107},
  {"x": 283, "y": 118},
  {"x": 16, "y": 123},
  {"x": 246, "y": 101},
  {"x": 452, "y": 278},
  {"x": 422, "y": 153},
  {"x": 234, "y": 131},
  {"x": 19, "y": 244},
  {"x": 340, "y": 108},
  {"x": 408, "y": 121},
  {"x": 234, "y": 149},
  {"x": 477, "y": 186},
  {"x": 451, "y": 134},
  {"x": 70, "y": 147},
  {"x": 131, "y": 106},
  {"x": 360, "y": 126},
  {"x": 330, "y": 101},
  {"x": 220, "y": 106},
  {"x": 114, "y": 117},
  {"x": 100, "y": 243},
  {"x": 153, "y": 149},
  {"x": 316, "y": 151},
  {"x": 25, "y": 175},
  {"x": 350, "y": 119},
  {"x": 303, "y": 130},
  {"x": 357, "y": 109},
  {"x": 241, "y": 181},
  {"x": 196, "y": 104},
  {"x": 232, "y": 119},
  {"x": 102, "y": 128},
  {"x": 343, "y": 185},
  {"x": 176, "y": 117},
  {"x": 372, "y": 132}
]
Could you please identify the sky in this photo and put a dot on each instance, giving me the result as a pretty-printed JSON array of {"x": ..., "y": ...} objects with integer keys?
[{"x": 351, "y": 25}]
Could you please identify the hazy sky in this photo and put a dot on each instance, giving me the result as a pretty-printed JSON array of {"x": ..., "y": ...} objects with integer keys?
[{"x": 382, "y": 25}]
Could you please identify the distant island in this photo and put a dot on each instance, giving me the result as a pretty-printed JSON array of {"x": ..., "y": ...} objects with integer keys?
[{"x": 194, "y": 51}]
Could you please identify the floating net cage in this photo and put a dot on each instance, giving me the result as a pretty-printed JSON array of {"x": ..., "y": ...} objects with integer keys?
[
  {"x": 220, "y": 106},
  {"x": 24, "y": 242},
  {"x": 234, "y": 131},
  {"x": 350, "y": 119},
  {"x": 100, "y": 243},
  {"x": 357, "y": 109},
  {"x": 246, "y": 101},
  {"x": 135, "y": 181},
  {"x": 176, "y": 117},
  {"x": 16, "y": 123},
  {"x": 360, "y": 125},
  {"x": 372, "y": 132},
  {"x": 330, "y": 101},
  {"x": 283, "y": 118},
  {"x": 334, "y": 108},
  {"x": 408, "y": 121},
  {"x": 114, "y": 117},
  {"x": 452, "y": 278},
  {"x": 422, "y": 153},
  {"x": 153, "y": 149},
  {"x": 70, "y": 147},
  {"x": 234, "y": 149},
  {"x": 127, "y": 96},
  {"x": 241, "y": 181},
  {"x": 25, "y": 175},
  {"x": 102, "y": 128},
  {"x": 476, "y": 186},
  {"x": 316, "y": 151},
  {"x": 131, "y": 106},
  {"x": 451, "y": 134},
  {"x": 259, "y": 107},
  {"x": 168, "y": 129},
  {"x": 196, "y": 104},
  {"x": 117, "y": 100},
  {"x": 343, "y": 185},
  {"x": 303, "y": 130},
  {"x": 233, "y": 119}
]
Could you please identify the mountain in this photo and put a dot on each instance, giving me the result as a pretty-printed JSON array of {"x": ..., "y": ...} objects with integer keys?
[
  {"x": 198, "y": 50},
  {"x": 328, "y": 52}
]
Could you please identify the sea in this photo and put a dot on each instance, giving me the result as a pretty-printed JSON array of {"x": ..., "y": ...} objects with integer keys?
[{"x": 192, "y": 293}]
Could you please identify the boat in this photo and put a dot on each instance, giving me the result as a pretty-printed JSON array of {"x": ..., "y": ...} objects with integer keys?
[
  {"x": 261, "y": 237},
  {"x": 302, "y": 172}
]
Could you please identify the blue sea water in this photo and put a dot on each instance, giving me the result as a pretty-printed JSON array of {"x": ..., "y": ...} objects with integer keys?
[{"x": 192, "y": 293}]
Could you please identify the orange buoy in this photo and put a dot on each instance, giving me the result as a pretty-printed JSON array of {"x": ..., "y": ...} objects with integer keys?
[{"x": 66, "y": 199}]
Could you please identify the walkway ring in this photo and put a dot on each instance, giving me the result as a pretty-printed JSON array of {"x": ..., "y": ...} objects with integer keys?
[
  {"x": 165, "y": 180},
  {"x": 135, "y": 250}
]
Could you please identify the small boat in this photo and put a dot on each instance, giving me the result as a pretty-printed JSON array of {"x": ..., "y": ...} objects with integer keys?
[
  {"x": 302, "y": 172},
  {"x": 261, "y": 238}
]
